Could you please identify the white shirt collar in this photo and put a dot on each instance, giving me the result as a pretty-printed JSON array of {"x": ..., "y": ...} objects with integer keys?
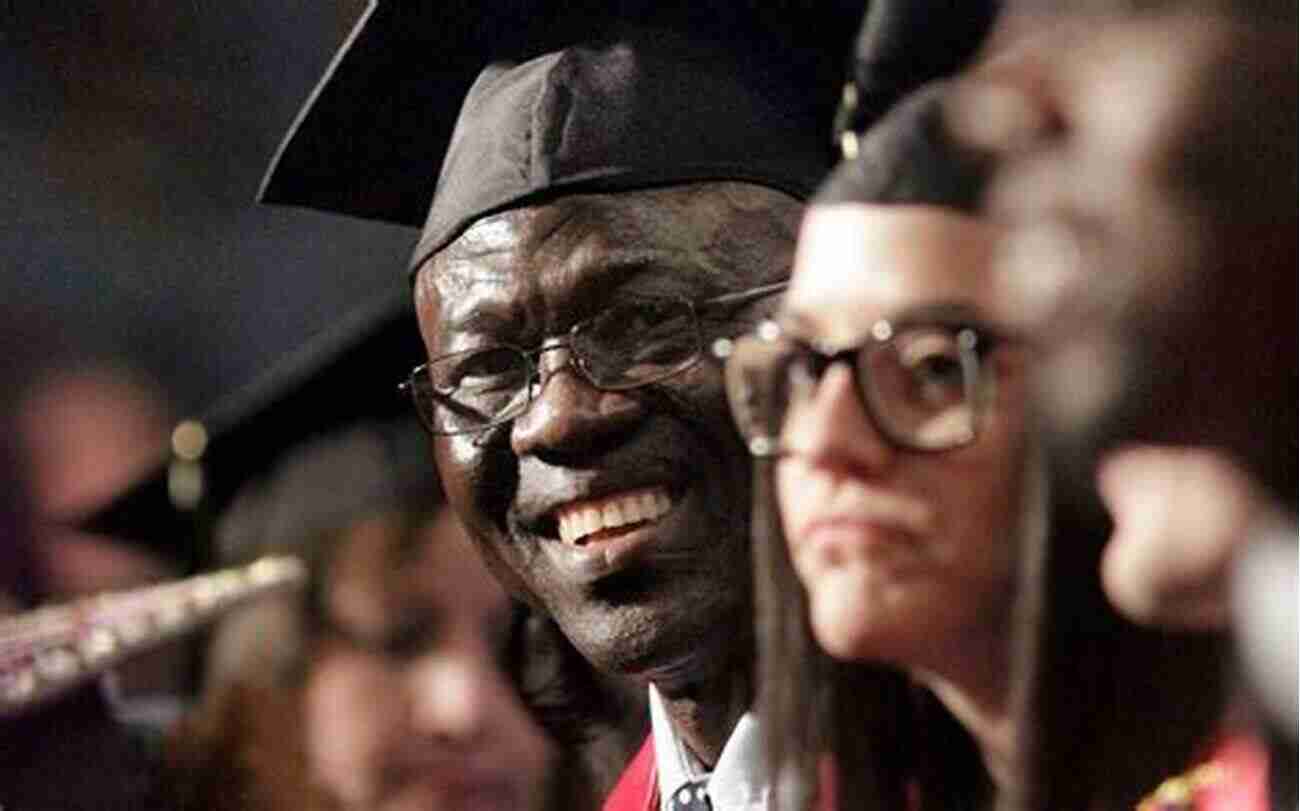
[{"x": 738, "y": 782}]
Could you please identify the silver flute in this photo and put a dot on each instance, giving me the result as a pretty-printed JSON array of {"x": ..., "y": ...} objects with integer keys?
[{"x": 50, "y": 650}]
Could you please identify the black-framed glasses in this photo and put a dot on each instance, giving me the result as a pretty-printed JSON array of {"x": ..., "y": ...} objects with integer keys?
[
  {"x": 633, "y": 342},
  {"x": 923, "y": 384}
]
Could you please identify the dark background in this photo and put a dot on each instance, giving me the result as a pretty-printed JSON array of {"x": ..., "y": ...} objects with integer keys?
[{"x": 133, "y": 136}]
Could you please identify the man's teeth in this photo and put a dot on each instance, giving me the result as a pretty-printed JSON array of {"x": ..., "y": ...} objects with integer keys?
[{"x": 583, "y": 518}]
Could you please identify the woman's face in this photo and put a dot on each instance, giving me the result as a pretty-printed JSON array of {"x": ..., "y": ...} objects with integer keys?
[
  {"x": 902, "y": 553},
  {"x": 407, "y": 704}
]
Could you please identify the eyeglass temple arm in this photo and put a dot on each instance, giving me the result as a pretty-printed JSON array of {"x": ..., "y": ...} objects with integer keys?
[{"x": 741, "y": 298}]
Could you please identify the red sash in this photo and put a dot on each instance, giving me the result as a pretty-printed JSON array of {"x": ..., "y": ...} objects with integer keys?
[
  {"x": 1234, "y": 778},
  {"x": 638, "y": 787}
]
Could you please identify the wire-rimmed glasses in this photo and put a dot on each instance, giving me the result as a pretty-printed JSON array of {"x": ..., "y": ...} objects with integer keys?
[
  {"x": 634, "y": 342},
  {"x": 923, "y": 384}
]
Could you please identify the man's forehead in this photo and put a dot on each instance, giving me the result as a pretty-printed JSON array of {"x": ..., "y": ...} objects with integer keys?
[
  {"x": 513, "y": 252},
  {"x": 702, "y": 229},
  {"x": 634, "y": 215},
  {"x": 549, "y": 226}
]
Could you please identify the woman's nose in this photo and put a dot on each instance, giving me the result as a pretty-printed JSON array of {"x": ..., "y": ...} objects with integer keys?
[
  {"x": 451, "y": 696},
  {"x": 831, "y": 426}
]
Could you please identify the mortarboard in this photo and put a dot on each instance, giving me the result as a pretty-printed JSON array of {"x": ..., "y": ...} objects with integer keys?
[
  {"x": 348, "y": 372},
  {"x": 903, "y": 44},
  {"x": 371, "y": 141},
  {"x": 910, "y": 157},
  {"x": 891, "y": 127}
]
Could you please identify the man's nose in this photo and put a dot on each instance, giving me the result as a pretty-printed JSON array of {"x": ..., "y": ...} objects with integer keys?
[
  {"x": 569, "y": 414},
  {"x": 832, "y": 428}
]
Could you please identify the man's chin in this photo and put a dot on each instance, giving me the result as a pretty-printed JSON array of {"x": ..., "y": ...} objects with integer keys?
[{"x": 664, "y": 644}]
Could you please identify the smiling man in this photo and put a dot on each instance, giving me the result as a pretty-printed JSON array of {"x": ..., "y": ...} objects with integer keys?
[
  {"x": 580, "y": 423},
  {"x": 621, "y": 510},
  {"x": 611, "y": 201}
]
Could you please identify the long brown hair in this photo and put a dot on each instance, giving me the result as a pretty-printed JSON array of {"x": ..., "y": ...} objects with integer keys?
[
  {"x": 1107, "y": 709},
  {"x": 1103, "y": 709}
]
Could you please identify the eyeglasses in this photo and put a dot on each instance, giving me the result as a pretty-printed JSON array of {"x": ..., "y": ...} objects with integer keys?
[
  {"x": 923, "y": 385},
  {"x": 632, "y": 343}
]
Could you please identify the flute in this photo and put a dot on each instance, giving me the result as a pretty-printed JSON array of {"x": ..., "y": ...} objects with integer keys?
[{"x": 48, "y": 651}]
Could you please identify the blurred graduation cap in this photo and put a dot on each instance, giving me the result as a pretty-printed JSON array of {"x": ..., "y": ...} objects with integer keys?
[
  {"x": 348, "y": 372},
  {"x": 902, "y": 45},
  {"x": 371, "y": 143}
]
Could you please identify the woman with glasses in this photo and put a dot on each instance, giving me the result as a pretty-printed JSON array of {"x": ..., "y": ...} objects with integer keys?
[{"x": 923, "y": 644}]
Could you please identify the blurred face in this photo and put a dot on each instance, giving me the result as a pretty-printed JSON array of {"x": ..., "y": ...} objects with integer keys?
[
  {"x": 903, "y": 553},
  {"x": 407, "y": 705},
  {"x": 624, "y": 513},
  {"x": 1157, "y": 249},
  {"x": 88, "y": 434}
]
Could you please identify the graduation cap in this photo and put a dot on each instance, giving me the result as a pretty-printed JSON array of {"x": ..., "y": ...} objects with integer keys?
[
  {"x": 372, "y": 139},
  {"x": 902, "y": 45},
  {"x": 562, "y": 96},
  {"x": 911, "y": 157},
  {"x": 347, "y": 373}
]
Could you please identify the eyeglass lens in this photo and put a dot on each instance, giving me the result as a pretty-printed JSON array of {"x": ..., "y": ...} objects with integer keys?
[
  {"x": 920, "y": 387},
  {"x": 626, "y": 345},
  {"x": 630, "y": 344}
]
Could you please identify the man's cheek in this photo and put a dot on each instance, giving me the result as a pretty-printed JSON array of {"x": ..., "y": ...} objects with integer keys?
[
  {"x": 479, "y": 479},
  {"x": 454, "y": 454},
  {"x": 458, "y": 492}
]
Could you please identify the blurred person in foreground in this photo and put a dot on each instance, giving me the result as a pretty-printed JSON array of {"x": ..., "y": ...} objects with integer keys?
[
  {"x": 1156, "y": 259},
  {"x": 387, "y": 685},
  {"x": 1150, "y": 184},
  {"x": 908, "y": 531},
  {"x": 69, "y": 752}
]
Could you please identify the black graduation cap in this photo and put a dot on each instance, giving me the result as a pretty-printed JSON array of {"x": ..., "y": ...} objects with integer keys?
[
  {"x": 348, "y": 372},
  {"x": 902, "y": 45},
  {"x": 372, "y": 138},
  {"x": 910, "y": 157}
]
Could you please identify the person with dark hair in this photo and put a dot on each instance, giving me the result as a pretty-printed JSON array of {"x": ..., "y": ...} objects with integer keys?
[
  {"x": 933, "y": 631},
  {"x": 1148, "y": 184},
  {"x": 388, "y": 683},
  {"x": 1175, "y": 255}
]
